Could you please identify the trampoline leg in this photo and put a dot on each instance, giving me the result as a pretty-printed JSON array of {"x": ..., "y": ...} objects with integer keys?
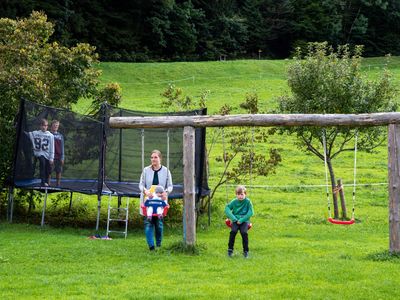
[
  {"x": 98, "y": 211},
  {"x": 126, "y": 217},
  {"x": 209, "y": 211},
  {"x": 108, "y": 216},
  {"x": 10, "y": 207},
  {"x": 44, "y": 208},
  {"x": 70, "y": 203}
]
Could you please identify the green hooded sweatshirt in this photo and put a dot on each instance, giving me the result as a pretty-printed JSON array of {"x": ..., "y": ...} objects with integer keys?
[{"x": 238, "y": 210}]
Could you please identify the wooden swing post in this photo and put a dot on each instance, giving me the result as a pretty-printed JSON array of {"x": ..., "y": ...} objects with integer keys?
[
  {"x": 394, "y": 187},
  {"x": 189, "y": 183}
]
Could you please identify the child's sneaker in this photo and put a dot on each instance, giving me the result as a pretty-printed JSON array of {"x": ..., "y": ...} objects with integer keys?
[
  {"x": 246, "y": 254},
  {"x": 230, "y": 252}
]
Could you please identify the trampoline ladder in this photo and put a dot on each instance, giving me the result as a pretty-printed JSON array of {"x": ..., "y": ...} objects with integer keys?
[{"x": 123, "y": 219}]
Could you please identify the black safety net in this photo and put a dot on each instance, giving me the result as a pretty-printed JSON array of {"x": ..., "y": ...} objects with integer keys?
[
  {"x": 86, "y": 155},
  {"x": 128, "y": 151},
  {"x": 68, "y": 159}
]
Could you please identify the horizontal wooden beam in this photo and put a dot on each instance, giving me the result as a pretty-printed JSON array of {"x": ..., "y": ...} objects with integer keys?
[{"x": 266, "y": 120}]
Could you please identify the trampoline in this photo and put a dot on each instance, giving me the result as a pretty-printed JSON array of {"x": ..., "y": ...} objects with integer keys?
[{"x": 98, "y": 160}]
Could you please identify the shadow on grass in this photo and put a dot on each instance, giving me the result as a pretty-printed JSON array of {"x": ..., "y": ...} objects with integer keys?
[
  {"x": 182, "y": 248},
  {"x": 308, "y": 219},
  {"x": 384, "y": 256}
]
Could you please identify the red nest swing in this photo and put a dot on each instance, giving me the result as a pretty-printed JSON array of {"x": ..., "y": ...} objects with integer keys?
[
  {"x": 340, "y": 222},
  {"x": 228, "y": 223},
  {"x": 144, "y": 210}
]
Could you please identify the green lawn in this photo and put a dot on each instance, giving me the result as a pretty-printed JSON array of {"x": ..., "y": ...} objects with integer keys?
[{"x": 294, "y": 252}]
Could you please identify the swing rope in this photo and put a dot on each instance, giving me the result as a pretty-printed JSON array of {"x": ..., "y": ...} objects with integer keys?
[
  {"x": 355, "y": 173},
  {"x": 228, "y": 222},
  {"x": 251, "y": 160},
  {"x": 326, "y": 174},
  {"x": 330, "y": 219},
  {"x": 168, "y": 142},
  {"x": 225, "y": 165}
]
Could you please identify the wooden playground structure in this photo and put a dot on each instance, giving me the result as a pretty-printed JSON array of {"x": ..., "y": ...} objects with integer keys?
[{"x": 189, "y": 123}]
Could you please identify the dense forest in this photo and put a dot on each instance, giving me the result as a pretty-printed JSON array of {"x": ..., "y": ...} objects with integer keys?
[{"x": 145, "y": 30}]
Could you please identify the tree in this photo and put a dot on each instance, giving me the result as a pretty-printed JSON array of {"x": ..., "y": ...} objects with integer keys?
[
  {"x": 41, "y": 71},
  {"x": 269, "y": 26},
  {"x": 239, "y": 157},
  {"x": 317, "y": 21},
  {"x": 182, "y": 34},
  {"x": 226, "y": 29},
  {"x": 326, "y": 81},
  {"x": 175, "y": 100},
  {"x": 141, "y": 30}
]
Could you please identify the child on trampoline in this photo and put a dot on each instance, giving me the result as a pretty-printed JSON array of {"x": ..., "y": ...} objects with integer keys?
[
  {"x": 156, "y": 203},
  {"x": 58, "y": 151},
  {"x": 43, "y": 149},
  {"x": 239, "y": 211}
]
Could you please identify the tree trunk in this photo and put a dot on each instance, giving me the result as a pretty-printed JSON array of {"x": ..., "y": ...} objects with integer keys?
[
  {"x": 340, "y": 188},
  {"x": 333, "y": 184}
]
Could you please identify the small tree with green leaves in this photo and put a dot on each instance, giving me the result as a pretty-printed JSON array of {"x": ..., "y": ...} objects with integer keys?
[
  {"x": 241, "y": 162},
  {"x": 239, "y": 157},
  {"x": 174, "y": 99},
  {"x": 328, "y": 81}
]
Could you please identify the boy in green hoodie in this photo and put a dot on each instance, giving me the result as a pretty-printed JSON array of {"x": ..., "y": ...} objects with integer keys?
[{"x": 239, "y": 211}]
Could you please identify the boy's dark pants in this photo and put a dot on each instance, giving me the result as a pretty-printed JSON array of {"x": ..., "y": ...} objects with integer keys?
[
  {"x": 45, "y": 169},
  {"x": 243, "y": 232}
]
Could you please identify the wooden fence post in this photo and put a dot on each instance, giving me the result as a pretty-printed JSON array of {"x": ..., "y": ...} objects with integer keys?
[
  {"x": 189, "y": 184},
  {"x": 394, "y": 186}
]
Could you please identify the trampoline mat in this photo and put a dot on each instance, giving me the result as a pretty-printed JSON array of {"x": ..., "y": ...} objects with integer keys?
[{"x": 85, "y": 186}]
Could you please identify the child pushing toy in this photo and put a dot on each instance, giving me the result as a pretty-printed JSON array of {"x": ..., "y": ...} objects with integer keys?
[{"x": 239, "y": 211}]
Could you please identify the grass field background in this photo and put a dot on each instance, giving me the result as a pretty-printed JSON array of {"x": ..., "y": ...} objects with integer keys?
[{"x": 294, "y": 252}]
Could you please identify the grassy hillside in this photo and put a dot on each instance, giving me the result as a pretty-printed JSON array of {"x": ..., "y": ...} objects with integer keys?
[{"x": 228, "y": 83}]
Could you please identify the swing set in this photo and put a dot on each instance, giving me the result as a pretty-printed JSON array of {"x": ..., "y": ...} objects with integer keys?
[
  {"x": 190, "y": 123},
  {"x": 331, "y": 220}
]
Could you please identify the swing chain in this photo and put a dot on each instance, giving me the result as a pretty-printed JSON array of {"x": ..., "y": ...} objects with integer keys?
[{"x": 337, "y": 189}]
